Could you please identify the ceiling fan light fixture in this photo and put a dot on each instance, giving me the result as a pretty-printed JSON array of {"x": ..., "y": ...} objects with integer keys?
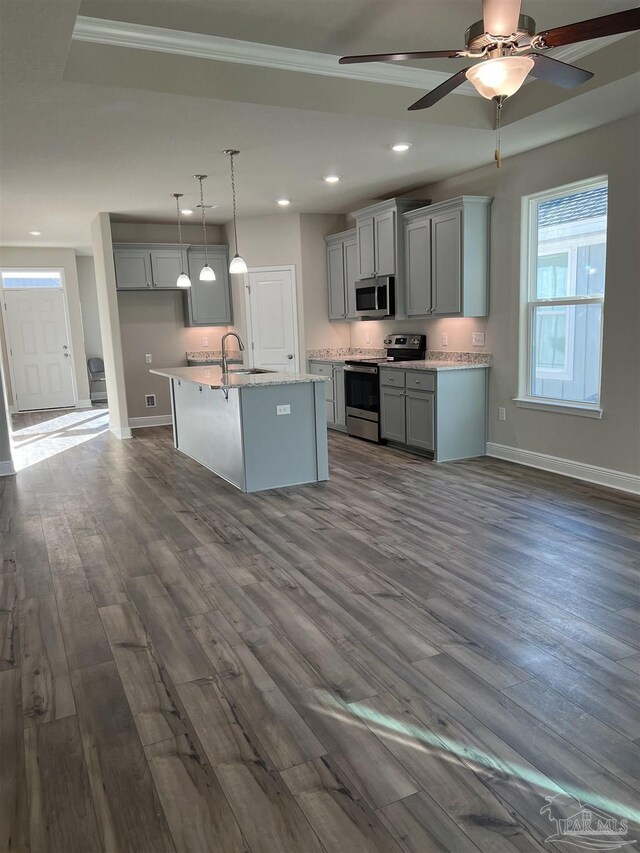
[{"x": 501, "y": 77}]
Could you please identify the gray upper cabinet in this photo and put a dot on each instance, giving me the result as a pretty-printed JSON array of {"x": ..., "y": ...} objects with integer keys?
[
  {"x": 447, "y": 258},
  {"x": 133, "y": 268},
  {"x": 418, "y": 267},
  {"x": 335, "y": 281},
  {"x": 342, "y": 274},
  {"x": 385, "y": 243},
  {"x": 208, "y": 303},
  {"x": 365, "y": 229},
  {"x": 148, "y": 267}
]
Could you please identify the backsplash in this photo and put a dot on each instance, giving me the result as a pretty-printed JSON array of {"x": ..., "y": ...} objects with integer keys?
[
  {"x": 345, "y": 352},
  {"x": 339, "y": 353},
  {"x": 211, "y": 354}
]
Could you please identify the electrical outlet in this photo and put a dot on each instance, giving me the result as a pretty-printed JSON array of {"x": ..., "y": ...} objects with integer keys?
[
  {"x": 367, "y": 337},
  {"x": 477, "y": 339},
  {"x": 150, "y": 401},
  {"x": 283, "y": 410},
  {"x": 205, "y": 342},
  {"x": 445, "y": 339},
  {"x": 148, "y": 358},
  {"x": 502, "y": 413}
]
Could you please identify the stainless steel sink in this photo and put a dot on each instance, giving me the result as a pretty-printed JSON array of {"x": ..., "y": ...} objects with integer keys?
[{"x": 250, "y": 371}]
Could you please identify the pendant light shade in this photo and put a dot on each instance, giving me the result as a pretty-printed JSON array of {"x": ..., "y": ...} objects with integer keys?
[
  {"x": 501, "y": 77},
  {"x": 237, "y": 265},
  {"x": 206, "y": 273},
  {"x": 183, "y": 279}
]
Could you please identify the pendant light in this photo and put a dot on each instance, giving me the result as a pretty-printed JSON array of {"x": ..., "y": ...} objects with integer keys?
[
  {"x": 206, "y": 273},
  {"x": 237, "y": 264},
  {"x": 183, "y": 278}
]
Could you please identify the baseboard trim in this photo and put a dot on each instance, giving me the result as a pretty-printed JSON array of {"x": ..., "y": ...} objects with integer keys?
[
  {"x": 83, "y": 404},
  {"x": 7, "y": 469},
  {"x": 619, "y": 480},
  {"x": 120, "y": 432},
  {"x": 150, "y": 421},
  {"x": 99, "y": 397}
]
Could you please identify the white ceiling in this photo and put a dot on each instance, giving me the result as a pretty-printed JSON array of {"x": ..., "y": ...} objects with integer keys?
[{"x": 88, "y": 128}]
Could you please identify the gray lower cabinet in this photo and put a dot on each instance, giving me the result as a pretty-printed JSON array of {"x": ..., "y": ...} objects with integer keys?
[
  {"x": 208, "y": 303},
  {"x": 342, "y": 274},
  {"x": 334, "y": 392},
  {"x": 442, "y": 412},
  {"x": 148, "y": 267},
  {"x": 393, "y": 417}
]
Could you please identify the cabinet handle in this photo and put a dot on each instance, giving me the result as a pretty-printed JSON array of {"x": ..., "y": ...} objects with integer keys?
[{"x": 148, "y": 284}]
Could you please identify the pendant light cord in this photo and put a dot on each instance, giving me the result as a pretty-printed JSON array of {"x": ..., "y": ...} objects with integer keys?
[
  {"x": 233, "y": 193},
  {"x": 179, "y": 223},
  {"x": 204, "y": 227}
]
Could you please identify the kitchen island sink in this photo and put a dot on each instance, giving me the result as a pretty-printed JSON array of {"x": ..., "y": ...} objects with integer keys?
[{"x": 258, "y": 429}]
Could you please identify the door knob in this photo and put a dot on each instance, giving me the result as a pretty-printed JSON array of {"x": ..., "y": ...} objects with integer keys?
[
  {"x": 290, "y": 356},
  {"x": 64, "y": 346},
  {"x": 66, "y": 355}
]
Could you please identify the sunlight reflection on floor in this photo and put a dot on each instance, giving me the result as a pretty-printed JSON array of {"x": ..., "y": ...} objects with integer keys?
[{"x": 37, "y": 442}]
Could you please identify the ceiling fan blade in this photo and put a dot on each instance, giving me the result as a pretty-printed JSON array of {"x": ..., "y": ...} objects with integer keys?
[
  {"x": 607, "y": 25},
  {"x": 440, "y": 91},
  {"x": 400, "y": 57},
  {"x": 501, "y": 16},
  {"x": 559, "y": 73}
]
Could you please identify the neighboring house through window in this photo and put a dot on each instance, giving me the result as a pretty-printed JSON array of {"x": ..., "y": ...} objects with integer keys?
[{"x": 564, "y": 260}]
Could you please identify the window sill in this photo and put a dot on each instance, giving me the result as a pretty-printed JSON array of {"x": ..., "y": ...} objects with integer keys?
[{"x": 558, "y": 407}]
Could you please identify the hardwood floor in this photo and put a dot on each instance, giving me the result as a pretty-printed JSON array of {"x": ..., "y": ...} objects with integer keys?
[{"x": 409, "y": 657}]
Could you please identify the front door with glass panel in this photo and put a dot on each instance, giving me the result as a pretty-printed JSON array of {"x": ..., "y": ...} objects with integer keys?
[{"x": 38, "y": 340}]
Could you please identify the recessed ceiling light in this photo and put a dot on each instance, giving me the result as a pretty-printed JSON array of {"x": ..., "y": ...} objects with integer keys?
[
  {"x": 35, "y": 233},
  {"x": 186, "y": 211},
  {"x": 331, "y": 179},
  {"x": 401, "y": 147},
  {"x": 283, "y": 202}
]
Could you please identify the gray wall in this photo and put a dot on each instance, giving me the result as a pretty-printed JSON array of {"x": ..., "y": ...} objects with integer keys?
[
  {"x": 609, "y": 150},
  {"x": 89, "y": 306}
]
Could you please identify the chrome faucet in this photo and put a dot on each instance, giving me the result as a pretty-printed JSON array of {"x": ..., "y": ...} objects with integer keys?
[{"x": 223, "y": 360}]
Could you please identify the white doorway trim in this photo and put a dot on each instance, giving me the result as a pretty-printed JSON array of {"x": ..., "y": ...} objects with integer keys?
[
  {"x": 247, "y": 309},
  {"x": 13, "y": 408}
]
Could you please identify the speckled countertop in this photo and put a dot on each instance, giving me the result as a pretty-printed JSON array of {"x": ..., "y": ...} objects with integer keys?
[
  {"x": 435, "y": 359},
  {"x": 213, "y": 377},
  {"x": 213, "y": 356},
  {"x": 435, "y": 364}
]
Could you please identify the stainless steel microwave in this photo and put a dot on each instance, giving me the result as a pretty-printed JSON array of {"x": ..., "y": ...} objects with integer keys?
[{"x": 376, "y": 297}]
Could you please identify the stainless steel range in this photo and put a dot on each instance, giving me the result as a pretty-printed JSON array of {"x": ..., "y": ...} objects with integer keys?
[{"x": 362, "y": 383}]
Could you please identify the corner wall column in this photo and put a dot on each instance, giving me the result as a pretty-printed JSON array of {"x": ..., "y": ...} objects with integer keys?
[{"x": 110, "y": 325}]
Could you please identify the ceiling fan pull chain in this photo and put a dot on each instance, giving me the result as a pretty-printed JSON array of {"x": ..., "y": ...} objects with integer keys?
[{"x": 497, "y": 154}]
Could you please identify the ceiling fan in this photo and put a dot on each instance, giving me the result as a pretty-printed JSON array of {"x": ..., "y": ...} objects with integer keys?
[{"x": 506, "y": 41}]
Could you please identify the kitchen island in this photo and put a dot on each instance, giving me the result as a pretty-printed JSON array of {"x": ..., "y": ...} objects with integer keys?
[{"x": 256, "y": 429}]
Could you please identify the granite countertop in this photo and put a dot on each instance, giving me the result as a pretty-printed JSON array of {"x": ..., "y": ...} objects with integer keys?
[
  {"x": 436, "y": 364},
  {"x": 213, "y": 377}
]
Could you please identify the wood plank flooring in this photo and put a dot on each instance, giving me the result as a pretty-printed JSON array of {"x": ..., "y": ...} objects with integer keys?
[{"x": 408, "y": 658}]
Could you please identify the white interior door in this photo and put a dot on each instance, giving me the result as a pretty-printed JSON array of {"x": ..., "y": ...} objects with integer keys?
[
  {"x": 273, "y": 319},
  {"x": 40, "y": 350}
]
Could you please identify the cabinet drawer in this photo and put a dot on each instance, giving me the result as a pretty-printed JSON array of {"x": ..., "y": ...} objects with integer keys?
[
  {"x": 321, "y": 369},
  {"x": 421, "y": 381},
  {"x": 396, "y": 378}
]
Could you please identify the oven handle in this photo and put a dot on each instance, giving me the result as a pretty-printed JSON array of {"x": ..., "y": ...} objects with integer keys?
[{"x": 353, "y": 369}]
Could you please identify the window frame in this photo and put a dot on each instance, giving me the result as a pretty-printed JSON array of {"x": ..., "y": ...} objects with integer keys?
[{"x": 529, "y": 302}]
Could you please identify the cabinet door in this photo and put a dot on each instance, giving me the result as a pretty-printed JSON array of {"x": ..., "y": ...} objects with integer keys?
[
  {"x": 340, "y": 413},
  {"x": 385, "y": 243},
  {"x": 350, "y": 276},
  {"x": 133, "y": 269},
  {"x": 446, "y": 263},
  {"x": 366, "y": 247},
  {"x": 335, "y": 281},
  {"x": 418, "y": 267},
  {"x": 166, "y": 266},
  {"x": 392, "y": 414},
  {"x": 420, "y": 419},
  {"x": 208, "y": 303}
]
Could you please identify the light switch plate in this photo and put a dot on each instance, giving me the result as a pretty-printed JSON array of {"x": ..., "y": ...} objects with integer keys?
[
  {"x": 205, "y": 342},
  {"x": 502, "y": 413},
  {"x": 445, "y": 339},
  {"x": 283, "y": 410},
  {"x": 477, "y": 339},
  {"x": 148, "y": 358}
]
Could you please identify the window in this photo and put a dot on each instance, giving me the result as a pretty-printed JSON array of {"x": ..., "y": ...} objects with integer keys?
[
  {"x": 18, "y": 279},
  {"x": 565, "y": 243}
]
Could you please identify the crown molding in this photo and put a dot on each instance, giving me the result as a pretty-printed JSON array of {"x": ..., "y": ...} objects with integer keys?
[{"x": 201, "y": 46}]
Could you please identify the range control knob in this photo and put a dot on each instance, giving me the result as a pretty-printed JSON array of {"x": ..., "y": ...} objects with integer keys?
[{"x": 387, "y": 342}]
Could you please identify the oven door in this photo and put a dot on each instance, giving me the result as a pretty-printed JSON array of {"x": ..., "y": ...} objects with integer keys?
[{"x": 362, "y": 392}]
